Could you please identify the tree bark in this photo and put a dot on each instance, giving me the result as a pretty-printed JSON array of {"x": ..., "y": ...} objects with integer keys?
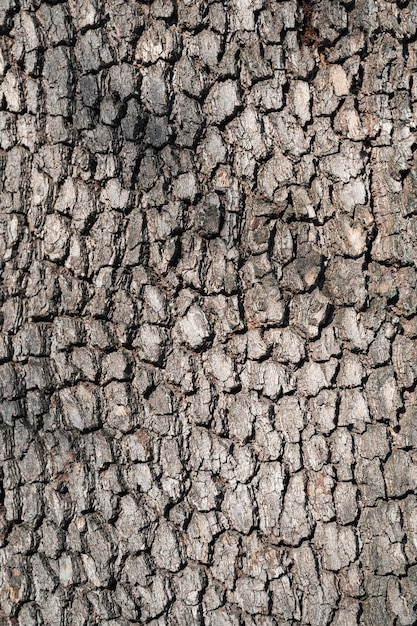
[{"x": 208, "y": 350}]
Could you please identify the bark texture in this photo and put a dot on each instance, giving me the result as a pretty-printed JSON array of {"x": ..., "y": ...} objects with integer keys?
[{"x": 208, "y": 350}]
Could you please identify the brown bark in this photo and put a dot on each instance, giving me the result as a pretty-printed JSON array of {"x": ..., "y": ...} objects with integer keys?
[{"x": 208, "y": 344}]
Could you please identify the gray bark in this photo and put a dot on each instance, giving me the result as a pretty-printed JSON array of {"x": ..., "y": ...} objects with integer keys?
[{"x": 208, "y": 350}]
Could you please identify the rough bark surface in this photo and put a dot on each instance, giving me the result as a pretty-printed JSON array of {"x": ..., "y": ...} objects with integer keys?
[{"x": 208, "y": 351}]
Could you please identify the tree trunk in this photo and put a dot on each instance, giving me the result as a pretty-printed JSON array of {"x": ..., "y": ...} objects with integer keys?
[{"x": 208, "y": 354}]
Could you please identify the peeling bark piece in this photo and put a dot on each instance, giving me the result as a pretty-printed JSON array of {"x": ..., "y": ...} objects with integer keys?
[
  {"x": 338, "y": 545},
  {"x": 342, "y": 453},
  {"x": 300, "y": 100},
  {"x": 408, "y": 510},
  {"x": 264, "y": 304},
  {"x": 370, "y": 481},
  {"x": 81, "y": 406},
  {"x": 323, "y": 409},
  {"x": 166, "y": 549},
  {"x": 383, "y": 548},
  {"x": 315, "y": 452},
  {"x": 347, "y": 235},
  {"x": 309, "y": 312},
  {"x": 344, "y": 166},
  {"x": 407, "y": 435},
  {"x": 223, "y": 617},
  {"x": 226, "y": 551},
  {"x": 200, "y": 533},
  {"x": 404, "y": 357},
  {"x": 190, "y": 583},
  {"x": 207, "y": 46},
  {"x": 303, "y": 273},
  {"x": 344, "y": 282},
  {"x": 352, "y": 330},
  {"x": 292, "y": 457},
  {"x": 151, "y": 343},
  {"x": 102, "y": 548},
  {"x": 222, "y": 368},
  {"x": 354, "y": 410},
  {"x": 222, "y": 102},
  {"x": 406, "y": 284},
  {"x": 399, "y": 603},
  {"x": 238, "y": 508},
  {"x": 347, "y": 121},
  {"x": 400, "y": 471},
  {"x": 313, "y": 377},
  {"x": 269, "y": 497},
  {"x": 287, "y": 345},
  {"x": 383, "y": 396},
  {"x": 195, "y": 328},
  {"x": 256, "y": 347},
  {"x": 240, "y": 417},
  {"x": 326, "y": 346},
  {"x": 204, "y": 493},
  {"x": 351, "y": 371},
  {"x": 154, "y": 598},
  {"x": 307, "y": 582},
  {"x": 373, "y": 443},
  {"x": 157, "y": 132},
  {"x": 246, "y": 135},
  {"x": 290, "y": 418},
  {"x": 191, "y": 79},
  {"x": 154, "y": 89},
  {"x": 284, "y": 599},
  {"x": 251, "y": 596},
  {"x": 188, "y": 121},
  {"x": 319, "y": 492},
  {"x": 56, "y": 238},
  {"x": 285, "y": 133},
  {"x": 32, "y": 463},
  {"x": 114, "y": 195},
  {"x": 122, "y": 412},
  {"x": 257, "y": 235},
  {"x": 273, "y": 174},
  {"x": 339, "y": 80},
  {"x": 133, "y": 524},
  {"x": 295, "y": 525},
  {"x": 92, "y": 52},
  {"x": 346, "y": 503}
]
